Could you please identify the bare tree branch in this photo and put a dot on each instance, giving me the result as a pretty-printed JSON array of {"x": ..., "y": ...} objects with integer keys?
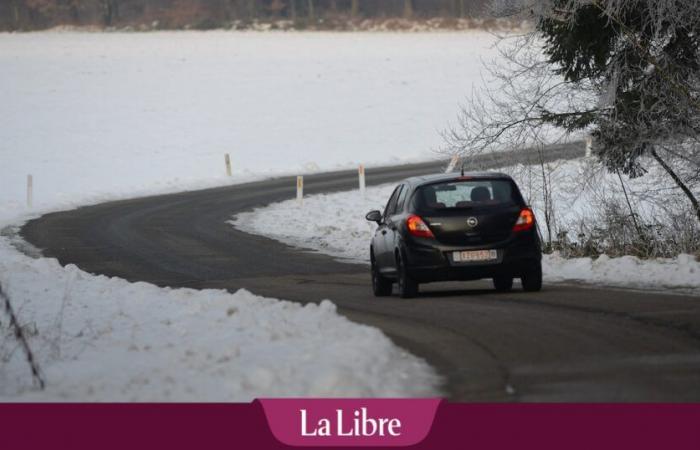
[{"x": 21, "y": 338}]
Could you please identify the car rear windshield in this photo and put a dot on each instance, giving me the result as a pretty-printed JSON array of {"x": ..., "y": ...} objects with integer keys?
[{"x": 466, "y": 194}]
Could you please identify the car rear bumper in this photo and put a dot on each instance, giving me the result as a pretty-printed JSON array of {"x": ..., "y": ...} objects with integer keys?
[{"x": 428, "y": 261}]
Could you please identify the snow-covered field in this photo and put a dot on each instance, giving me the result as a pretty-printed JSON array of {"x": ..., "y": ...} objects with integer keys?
[
  {"x": 334, "y": 224},
  {"x": 98, "y": 116}
]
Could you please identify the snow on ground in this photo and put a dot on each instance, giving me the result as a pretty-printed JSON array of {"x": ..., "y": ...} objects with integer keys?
[
  {"x": 95, "y": 116},
  {"x": 100, "y": 116},
  {"x": 334, "y": 224},
  {"x": 680, "y": 273},
  {"x": 105, "y": 339}
]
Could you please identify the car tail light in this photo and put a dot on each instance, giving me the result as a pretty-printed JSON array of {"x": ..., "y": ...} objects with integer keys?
[
  {"x": 418, "y": 228},
  {"x": 525, "y": 221}
]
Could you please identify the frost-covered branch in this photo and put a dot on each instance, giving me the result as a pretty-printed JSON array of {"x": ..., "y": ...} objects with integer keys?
[{"x": 626, "y": 72}]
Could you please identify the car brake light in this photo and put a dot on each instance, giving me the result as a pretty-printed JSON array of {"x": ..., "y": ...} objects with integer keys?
[
  {"x": 418, "y": 228},
  {"x": 525, "y": 221}
]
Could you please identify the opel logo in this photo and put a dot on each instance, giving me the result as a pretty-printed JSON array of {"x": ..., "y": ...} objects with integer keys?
[{"x": 472, "y": 222}]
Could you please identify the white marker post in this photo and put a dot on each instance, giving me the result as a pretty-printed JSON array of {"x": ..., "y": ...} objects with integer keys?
[
  {"x": 300, "y": 190},
  {"x": 227, "y": 159},
  {"x": 30, "y": 191},
  {"x": 361, "y": 173},
  {"x": 453, "y": 163},
  {"x": 589, "y": 146}
]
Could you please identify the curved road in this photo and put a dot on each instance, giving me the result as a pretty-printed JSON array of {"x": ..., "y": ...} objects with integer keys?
[{"x": 566, "y": 343}]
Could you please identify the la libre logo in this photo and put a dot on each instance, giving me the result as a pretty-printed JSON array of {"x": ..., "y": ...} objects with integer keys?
[{"x": 356, "y": 424}]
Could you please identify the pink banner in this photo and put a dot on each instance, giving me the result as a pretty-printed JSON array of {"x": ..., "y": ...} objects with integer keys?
[{"x": 354, "y": 423}]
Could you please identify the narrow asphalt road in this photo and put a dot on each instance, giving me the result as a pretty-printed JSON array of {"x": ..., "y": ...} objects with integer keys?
[{"x": 566, "y": 343}]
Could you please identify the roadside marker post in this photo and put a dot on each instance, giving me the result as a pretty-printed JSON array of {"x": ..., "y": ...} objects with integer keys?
[
  {"x": 453, "y": 163},
  {"x": 361, "y": 173},
  {"x": 300, "y": 190},
  {"x": 589, "y": 146},
  {"x": 227, "y": 159},
  {"x": 30, "y": 191}
]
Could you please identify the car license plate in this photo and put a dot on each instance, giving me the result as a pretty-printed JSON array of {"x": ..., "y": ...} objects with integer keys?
[{"x": 475, "y": 255}]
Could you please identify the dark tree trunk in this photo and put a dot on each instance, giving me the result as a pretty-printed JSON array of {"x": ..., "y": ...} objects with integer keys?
[
  {"x": 408, "y": 8},
  {"x": 676, "y": 179},
  {"x": 354, "y": 8},
  {"x": 252, "y": 9},
  {"x": 229, "y": 10},
  {"x": 111, "y": 12},
  {"x": 15, "y": 12}
]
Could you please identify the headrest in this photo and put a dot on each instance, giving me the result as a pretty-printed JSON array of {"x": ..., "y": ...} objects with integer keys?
[{"x": 481, "y": 194}]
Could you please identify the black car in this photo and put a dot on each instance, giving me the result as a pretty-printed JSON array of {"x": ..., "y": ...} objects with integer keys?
[{"x": 452, "y": 227}]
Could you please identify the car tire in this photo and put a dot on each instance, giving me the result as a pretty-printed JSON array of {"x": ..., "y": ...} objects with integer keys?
[
  {"x": 408, "y": 287},
  {"x": 380, "y": 285},
  {"x": 532, "y": 278},
  {"x": 503, "y": 283}
]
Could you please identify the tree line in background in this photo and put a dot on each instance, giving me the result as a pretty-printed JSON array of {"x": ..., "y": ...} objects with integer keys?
[{"x": 209, "y": 14}]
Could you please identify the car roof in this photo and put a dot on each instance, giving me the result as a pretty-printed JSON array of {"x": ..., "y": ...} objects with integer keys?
[{"x": 454, "y": 176}]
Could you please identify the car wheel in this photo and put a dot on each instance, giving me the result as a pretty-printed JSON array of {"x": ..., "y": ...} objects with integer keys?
[
  {"x": 408, "y": 287},
  {"x": 503, "y": 283},
  {"x": 380, "y": 285},
  {"x": 532, "y": 278}
]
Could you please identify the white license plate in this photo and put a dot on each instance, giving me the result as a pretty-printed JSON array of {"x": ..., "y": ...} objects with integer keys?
[{"x": 475, "y": 255}]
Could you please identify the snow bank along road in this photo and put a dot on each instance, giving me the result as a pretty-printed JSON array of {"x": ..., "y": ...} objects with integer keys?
[{"x": 568, "y": 342}]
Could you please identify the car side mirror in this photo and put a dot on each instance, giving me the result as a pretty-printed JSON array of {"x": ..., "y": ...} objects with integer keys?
[{"x": 374, "y": 216}]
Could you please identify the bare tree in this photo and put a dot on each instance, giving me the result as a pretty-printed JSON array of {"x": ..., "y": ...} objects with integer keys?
[{"x": 628, "y": 72}]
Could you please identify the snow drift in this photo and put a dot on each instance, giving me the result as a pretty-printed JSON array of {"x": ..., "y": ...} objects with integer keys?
[{"x": 105, "y": 339}]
